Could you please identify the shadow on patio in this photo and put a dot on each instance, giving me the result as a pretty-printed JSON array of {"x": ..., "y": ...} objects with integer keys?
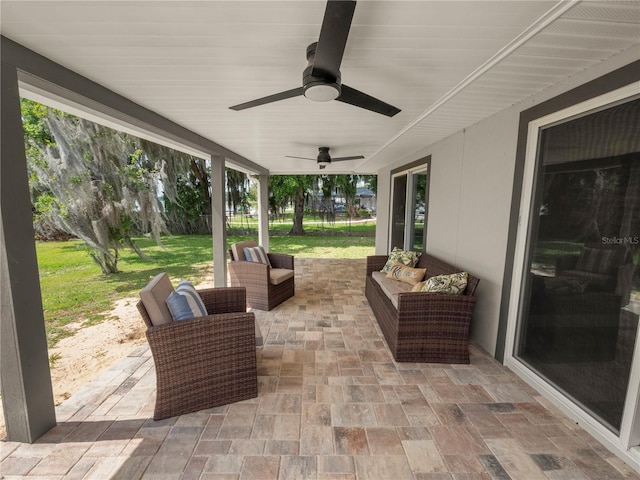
[{"x": 332, "y": 404}]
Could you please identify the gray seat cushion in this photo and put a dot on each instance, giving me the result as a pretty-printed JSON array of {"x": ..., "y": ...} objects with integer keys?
[{"x": 391, "y": 287}]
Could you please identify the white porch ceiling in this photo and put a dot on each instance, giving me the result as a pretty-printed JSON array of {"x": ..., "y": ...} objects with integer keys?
[{"x": 445, "y": 64}]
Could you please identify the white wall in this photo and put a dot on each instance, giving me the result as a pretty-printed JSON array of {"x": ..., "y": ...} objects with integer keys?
[
  {"x": 469, "y": 203},
  {"x": 470, "y": 199}
]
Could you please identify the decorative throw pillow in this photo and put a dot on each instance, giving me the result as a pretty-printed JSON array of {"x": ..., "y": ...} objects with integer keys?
[
  {"x": 399, "y": 271},
  {"x": 407, "y": 258},
  {"x": 418, "y": 286},
  {"x": 256, "y": 255},
  {"x": 185, "y": 302},
  {"x": 454, "y": 283}
]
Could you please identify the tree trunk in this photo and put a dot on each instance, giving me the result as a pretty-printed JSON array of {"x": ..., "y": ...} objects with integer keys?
[
  {"x": 591, "y": 229},
  {"x": 298, "y": 214},
  {"x": 200, "y": 172},
  {"x": 107, "y": 264}
]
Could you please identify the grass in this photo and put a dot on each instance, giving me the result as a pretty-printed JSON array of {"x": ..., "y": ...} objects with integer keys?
[
  {"x": 548, "y": 250},
  {"x": 75, "y": 291},
  {"x": 312, "y": 226}
]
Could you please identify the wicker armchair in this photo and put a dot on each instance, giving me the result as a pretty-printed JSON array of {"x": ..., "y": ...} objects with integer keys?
[
  {"x": 202, "y": 362},
  {"x": 267, "y": 286}
]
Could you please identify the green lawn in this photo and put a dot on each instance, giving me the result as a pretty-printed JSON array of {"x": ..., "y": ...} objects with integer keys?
[
  {"x": 312, "y": 225},
  {"x": 74, "y": 289}
]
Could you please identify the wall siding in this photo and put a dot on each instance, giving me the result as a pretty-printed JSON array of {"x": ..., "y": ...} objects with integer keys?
[{"x": 472, "y": 180}]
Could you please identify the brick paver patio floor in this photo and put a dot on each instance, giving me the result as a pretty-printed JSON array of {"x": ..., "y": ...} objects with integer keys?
[{"x": 332, "y": 404}]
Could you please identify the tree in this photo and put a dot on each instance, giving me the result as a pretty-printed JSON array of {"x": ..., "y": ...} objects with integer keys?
[
  {"x": 186, "y": 189},
  {"x": 285, "y": 189},
  {"x": 327, "y": 186},
  {"x": 371, "y": 181},
  {"x": 347, "y": 186},
  {"x": 95, "y": 183}
]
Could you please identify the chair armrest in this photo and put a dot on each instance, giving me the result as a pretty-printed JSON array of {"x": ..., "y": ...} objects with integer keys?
[
  {"x": 224, "y": 324},
  {"x": 375, "y": 263},
  {"x": 281, "y": 260},
  {"x": 202, "y": 335},
  {"x": 565, "y": 262},
  {"x": 224, "y": 299},
  {"x": 252, "y": 269}
]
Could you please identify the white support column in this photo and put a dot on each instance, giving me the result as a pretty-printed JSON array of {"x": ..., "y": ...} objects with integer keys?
[
  {"x": 263, "y": 210},
  {"x": 383, "y": 212},
  {"x": 25, "y": 378},
  {"x": 218, "y": 221}
]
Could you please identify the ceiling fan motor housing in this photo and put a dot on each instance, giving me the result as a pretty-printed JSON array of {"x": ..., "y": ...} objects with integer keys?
[
  {"x": 319, "y": 88},
  {"x": 324, "y": 158},
  {"x": 321, "y": 80}
]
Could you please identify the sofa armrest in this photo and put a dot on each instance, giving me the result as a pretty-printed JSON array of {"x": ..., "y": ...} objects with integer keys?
[
  {"x": 224, "y": 299},
  {"x": 375, "y": 263},
  {"x": 281, "y": 260},
  {"x": 440, "y": 306}
]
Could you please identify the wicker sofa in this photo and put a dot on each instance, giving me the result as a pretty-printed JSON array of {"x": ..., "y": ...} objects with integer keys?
[{"x": 424, "y": 327}]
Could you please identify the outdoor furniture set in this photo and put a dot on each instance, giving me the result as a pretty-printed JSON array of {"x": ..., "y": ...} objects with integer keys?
[{"x": 203, "y": 342}]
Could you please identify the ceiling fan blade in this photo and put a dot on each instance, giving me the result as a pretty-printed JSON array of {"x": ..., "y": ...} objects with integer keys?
[
  {"x": 300, "y": 158},
  {"x": 270, "y": 98},
  {"x": 339, "y": 159},
  {"x": 333, "y": 37},
  {"x": 360, "y": 99}
]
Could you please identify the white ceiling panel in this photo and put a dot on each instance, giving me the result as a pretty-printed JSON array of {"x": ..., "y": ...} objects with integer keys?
[{"x": 443, "y": 63}]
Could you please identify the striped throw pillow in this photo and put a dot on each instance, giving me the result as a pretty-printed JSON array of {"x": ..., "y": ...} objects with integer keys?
[
  {"x": 256, "y": 255},
  {"x": 185, "y": 302}
]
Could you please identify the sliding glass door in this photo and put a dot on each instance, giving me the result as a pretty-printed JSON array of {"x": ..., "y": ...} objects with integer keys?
[
  {"x": 417, "y": 232},
  {"x": 410, "y": 199},
  {"x": 580, "y": 292},
  {"x": 398, "y": 210}
]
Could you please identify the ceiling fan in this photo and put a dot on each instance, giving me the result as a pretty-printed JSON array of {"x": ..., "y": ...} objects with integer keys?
[
  {"x": 325, "y": 159},
  {"x": 321, "y": 79}
]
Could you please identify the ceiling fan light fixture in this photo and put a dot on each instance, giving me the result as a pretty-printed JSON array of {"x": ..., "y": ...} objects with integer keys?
[
  {"x": 322, "y": 92},
  {"x": 324, "y": 163}
]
